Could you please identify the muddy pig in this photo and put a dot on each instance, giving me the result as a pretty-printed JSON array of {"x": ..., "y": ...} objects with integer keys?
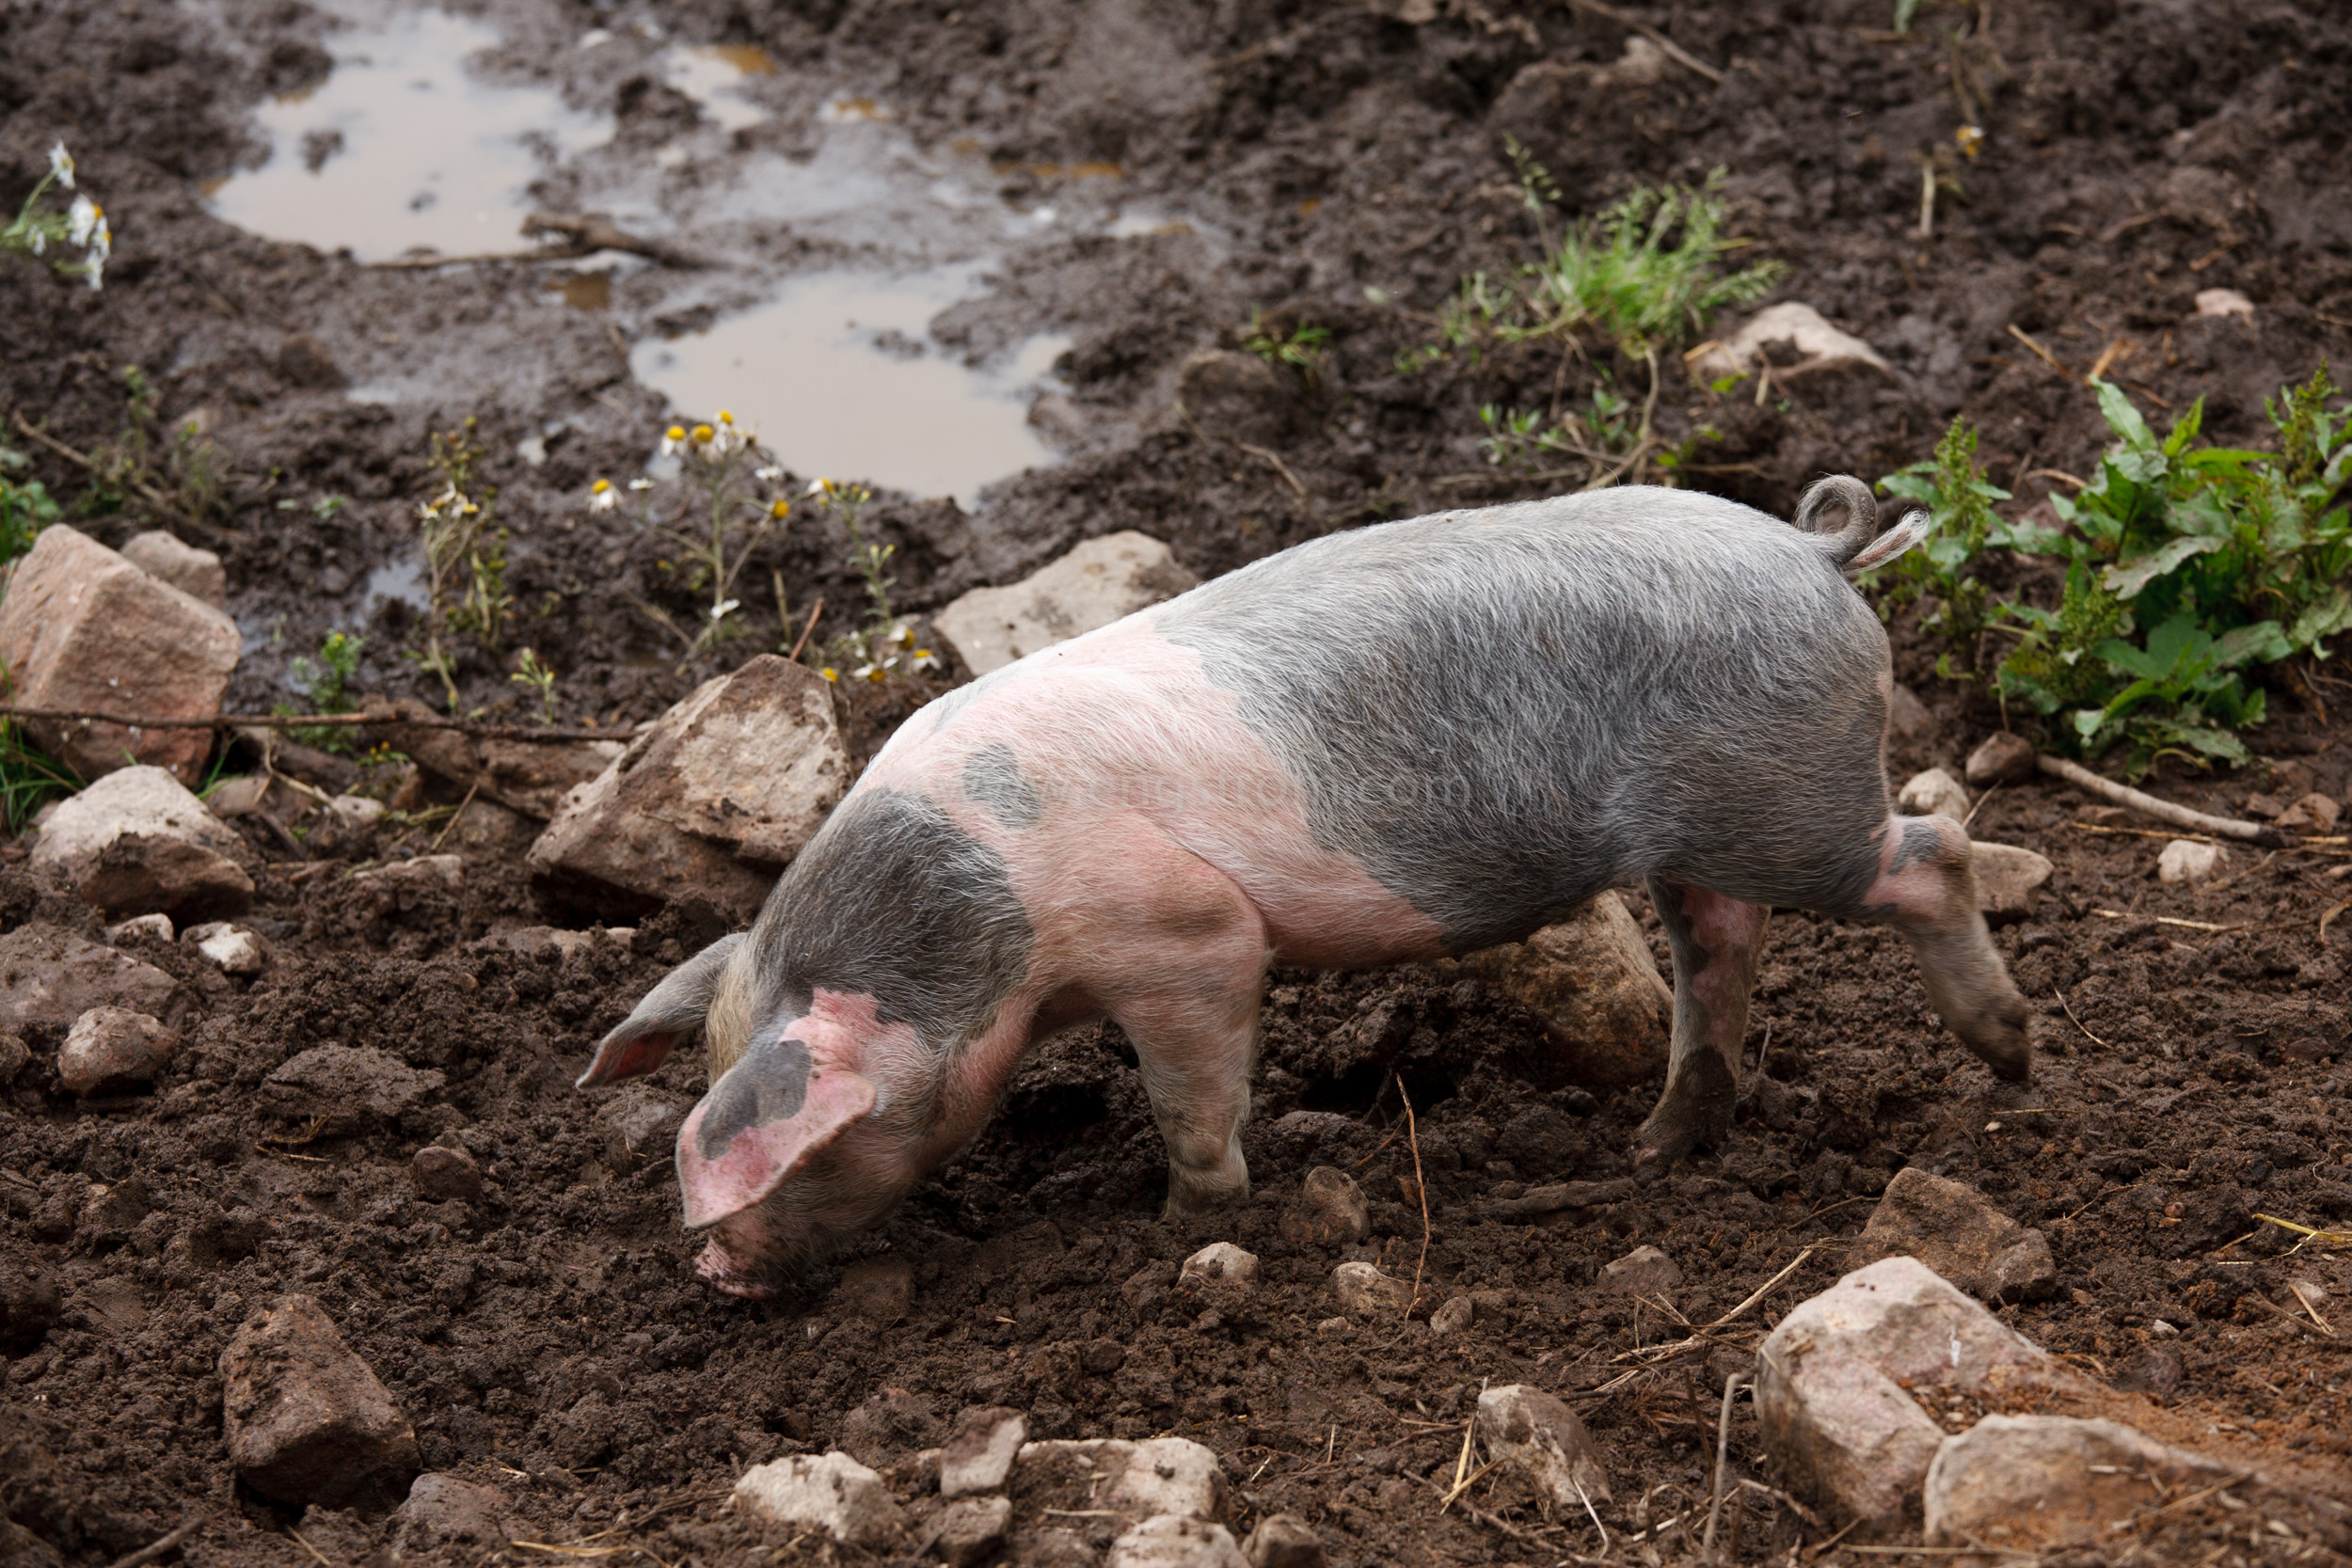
[{"x": 1414, "y": 739}]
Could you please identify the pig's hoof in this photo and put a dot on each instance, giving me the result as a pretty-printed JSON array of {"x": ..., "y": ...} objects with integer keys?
[{"x": 1663, "y": 1142}]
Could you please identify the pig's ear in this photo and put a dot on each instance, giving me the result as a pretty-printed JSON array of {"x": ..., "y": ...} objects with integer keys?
[
  {"x": 765, "y": 1118},
  {"x": 672, "y": 1011}
]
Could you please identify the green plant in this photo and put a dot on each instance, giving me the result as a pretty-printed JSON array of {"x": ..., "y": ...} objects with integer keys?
[
  {"x": 1607, "y": 436},
  {"x": 717, "y": 532},
  {"x": 465, "y": 558},
  {"x": 1958, "y": 604},
  {"x": 29, "y": 777},
  {"x": 25, "y": 508},
  {"x": 45, "y": 233},
  {"x": 181, "y": 474},
  {"x": 1301, "y": 349},
  {"x": 886, "y": 646},
  {"x": 325, "y": 683},
  {"x": 539, "y": 677}
]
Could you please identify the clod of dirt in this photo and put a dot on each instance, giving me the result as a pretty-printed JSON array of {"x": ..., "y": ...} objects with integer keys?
[
  {"x": 639, "y": 1124},
  {"x": 2184, "y": 862},
  {"x": 1453, "y": 1318},
  {"x": 1833, "y": 1383},
  {"x": 1533, "y": 1430},
  {"x": 231, "y": 949},
  {"x": 1176, "y": 1541},
  {"x": 304, "y": 362},
  {"x": 84, "y": 628},
  {"x": 114, "y": 1048},
  {"x": 137, "y": 842},
  {"x": 966, "y": 1532},
  {"x": 14, "y": 1053},
  {"x": 979, "y": 1455},
  {"x": 1592, "y": 981},
  {"x": 49, "y": 976},
  {"x": 1331, "y": 1210},
  {"x": 29, "y": 1306},
  {"x": 1284, "y": 1540},
  {"x": 1364, "y": 1291},
  {"x": 530, "y": 777},
  {"x": 2005, "y": 758},
  {"x": 345, "y": 1087},
  {"x": 196, "y": 573},
  {"x": 1909, "y": 717},
  {"x": 110, "y": 1214},
  {"x": 445, "y": 1511},
  {"x": 832, "y": 1493},
  {"x": 2033, "y": 1482},
  {"x": 442, "y": 1175},
  {"x": 2008, "y": 880},
  {"x": 1644, "y": 1272},
  {"x": 726, "y": 787},
  {"x": 1238, "y": 396},
  {"x": 894, "y": 1421},
  {"x": 1952, "y": 1229},
  {"x": 306, "y": 1420},
  {"x": 402, "y": 880},
  {"x": 877, "y": 1289},
  {"x": 1933, "y": 793},
  {"x": 1101, "y": 582}
]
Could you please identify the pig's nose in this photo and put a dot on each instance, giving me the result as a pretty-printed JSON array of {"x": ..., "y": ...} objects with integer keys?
[{"x": 724, "y": 1273}]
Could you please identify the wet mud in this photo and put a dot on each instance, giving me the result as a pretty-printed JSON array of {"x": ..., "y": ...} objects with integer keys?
[{"x": 1194, "y": 163}]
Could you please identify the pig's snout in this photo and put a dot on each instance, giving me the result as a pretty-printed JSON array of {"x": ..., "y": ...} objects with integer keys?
[{"x": 728, "y": 1272}]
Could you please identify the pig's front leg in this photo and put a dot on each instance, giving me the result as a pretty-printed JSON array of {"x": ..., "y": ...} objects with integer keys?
[
  {"x": 1716, "y": 941},
  {"x": 1182, "y": 971}
]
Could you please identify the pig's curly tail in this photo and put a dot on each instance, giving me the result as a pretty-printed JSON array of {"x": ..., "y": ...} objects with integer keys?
[{"x": 1842, "y": 514}]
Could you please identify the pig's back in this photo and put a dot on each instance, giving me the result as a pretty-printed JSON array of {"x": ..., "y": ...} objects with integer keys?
[{"x": 1499, "y": 712}]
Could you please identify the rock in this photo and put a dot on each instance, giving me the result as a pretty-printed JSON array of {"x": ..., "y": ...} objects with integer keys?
[
  {"x": 194, "y": 572},
  {"x": 832, "y": 1493},
  {"x": 50, "y": 977},
  {"x": 1835, "y": 1381},
  {"x": 1557, "y": 1197},
  {"x": 114, "y": 1048},
  {"x": 2008, "y": 880},
  {"x": 2184, "y": 863},
  {"x": 1284, "y": 1540},
  {"x": 717, "y": 797},
  {"x": 304, "y": 362},
  {"x": 2224, "y": 302},
  {"x": 1366, "y": 1293},
  {"x": 966, "y": 1532},
  {"x": 1453, "y": 1317},
  {"x": 136, "y": 842},
  {"x": 1331, "y": 1210},
  {"x": 638, "y": 1124},
  {"x": 1238, "y": 396},
  {"x": 1933, "y": 793},
  {"x": 1907, "y": 716},
  {"x": 1175, "y": 1541},
  {"x": 444, "y": 1511},
  {"x": 1101, "y": 581},
  {"x": 306, "y": 1419},
  {"x": 140, "y": 927},
  {"x": 2005, "y": 758},
  {"x": 441, "y": 1174},
  {"x": 405, "y": 880},
  {"x": 1954, "y": 1230},
  {"x": 1591, "y": 982},
  {"x": 1526, "y": 1427},
  {"x": 1818, "y": 345},
  {"x": 978, "y": 1453},
  {"x": 1219, "y": 1262},
  {"x": 347, "y": 1086},
  {"x": 2034, "y": 1482},
  {"x": 14, "y": 1053},
  {"x": 2311, "y": 814},
  {"x": 82, "y": 627},
  {"x": 1138, "y": 1479},
  {"x": 355, "y": 813},
  {"x": 30, "y": 1306},
  {"x": 1644, "y": 1272},
  {"x": 231, "y": 949}
]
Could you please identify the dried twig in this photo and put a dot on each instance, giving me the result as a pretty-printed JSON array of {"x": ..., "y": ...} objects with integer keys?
[
  {"x": 1421, "y": 1190},
  {"x": 454, "y": 817},
  {"x": 148, "y": 493},
  {"x": 2043, "y": 354},
  {"x": 1674, "y": 52},
  {"x": 1723, "y": 1461},
  {"x": 2163, "y": 811},
  {"x": 816, "y": 611},
  {"x": 156, "y": 1549},
  {"x": 327, "y": 721},
  {"x": 2079, "y": 1023}
]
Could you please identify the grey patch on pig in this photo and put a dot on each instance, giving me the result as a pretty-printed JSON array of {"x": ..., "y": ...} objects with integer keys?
[
  {"x": 1568, "y": 693},
  {"x": 770, "y": 1083},
  {"x": 992, "y": 778},
  {"x": 893, "y": 900}
]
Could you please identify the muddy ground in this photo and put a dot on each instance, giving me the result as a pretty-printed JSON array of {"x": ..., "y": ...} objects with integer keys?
[{"x": 550, "y": 1341}]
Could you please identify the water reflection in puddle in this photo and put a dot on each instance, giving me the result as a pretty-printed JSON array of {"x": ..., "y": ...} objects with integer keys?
[
  {"x": 837, "y": 375},
  {"x": 402, "y": 148}
]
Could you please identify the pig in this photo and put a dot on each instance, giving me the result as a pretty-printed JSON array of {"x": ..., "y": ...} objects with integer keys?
[{"x": 1385, "y": 746}]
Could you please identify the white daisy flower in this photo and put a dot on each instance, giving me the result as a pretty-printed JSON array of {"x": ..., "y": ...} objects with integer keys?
[
  {"x": 768, "y": 475},
  {"x": 641, "y": 483},
  {"x": 61, "y": 166},
  {"x": 83, "y": 220},
  {"x": 725, "y": 607},
  {"x": 602, "y": 497}
]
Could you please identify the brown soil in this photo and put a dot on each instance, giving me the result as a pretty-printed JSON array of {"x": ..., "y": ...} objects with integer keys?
[{"x": 550, "y": 1341}]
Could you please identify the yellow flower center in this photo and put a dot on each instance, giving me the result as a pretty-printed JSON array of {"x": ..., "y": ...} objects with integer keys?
[
  {"x": 599, "y": 487},
  {"x": 703, "y": 434},
  {"x": 675, "y": 432},
  {"x": 781, "y": 510}
]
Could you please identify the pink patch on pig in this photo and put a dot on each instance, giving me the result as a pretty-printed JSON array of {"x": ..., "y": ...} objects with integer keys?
[{"x": 761, "y": 1158}]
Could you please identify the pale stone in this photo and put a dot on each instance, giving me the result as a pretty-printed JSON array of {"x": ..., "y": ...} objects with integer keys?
[
  {"x": 1137, "y": 1479},
  {"x": 1366, "y": 1293},
  {"x": 137, "y": 842},
  {"x": 231, "y": 949},
  {"x": 424, "y": 874},
  {"x": 1933, "y": 793},
  {"x": 140, "y": 927},
  {"x": 2003, "y": 758},
  {"x": 1956, "y": 1231},
  {"x": 194, "y": 572},
  {"x": 1833, "y": 1385},
  {"x": 978, "y": 1453},
  {"x": 711, "y": 802},
  {"x": 1177, "y": 1541},
  {"x": 307, "y": 1422},
  {"x": 81, "y": 627},
  {"x": 1820, "y": 345},
  {"x": 2314, "y": 812},
  {"x": 1284, "y": 1540},
  {"x": 2033, "y": 1482},
  {"x": 1592, "y": 983},
  {"x": 447, "y": 1511},
  {"x": 1453, "y": 1317},
  {"x": 2008, "y": 880},
  {"x": 2184, "y": 862},
  {"x": 114, "y": 1048},
  {"x": 832, "y": 1493},
  {"x": 1533, "y": 1430},
  {"x": 1644, "y": 1272},
  {"x": 1331, "y": 1210},
  {"x": 1102, "y": 581},
  {"x": 2224, "y": 302},
  {"x": 1219, "y": 1261}
]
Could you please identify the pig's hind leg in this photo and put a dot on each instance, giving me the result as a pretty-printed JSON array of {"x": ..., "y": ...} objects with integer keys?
[
  {"x": 1927, "y": 889},
  {"x": 1715, "y": 940}
]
